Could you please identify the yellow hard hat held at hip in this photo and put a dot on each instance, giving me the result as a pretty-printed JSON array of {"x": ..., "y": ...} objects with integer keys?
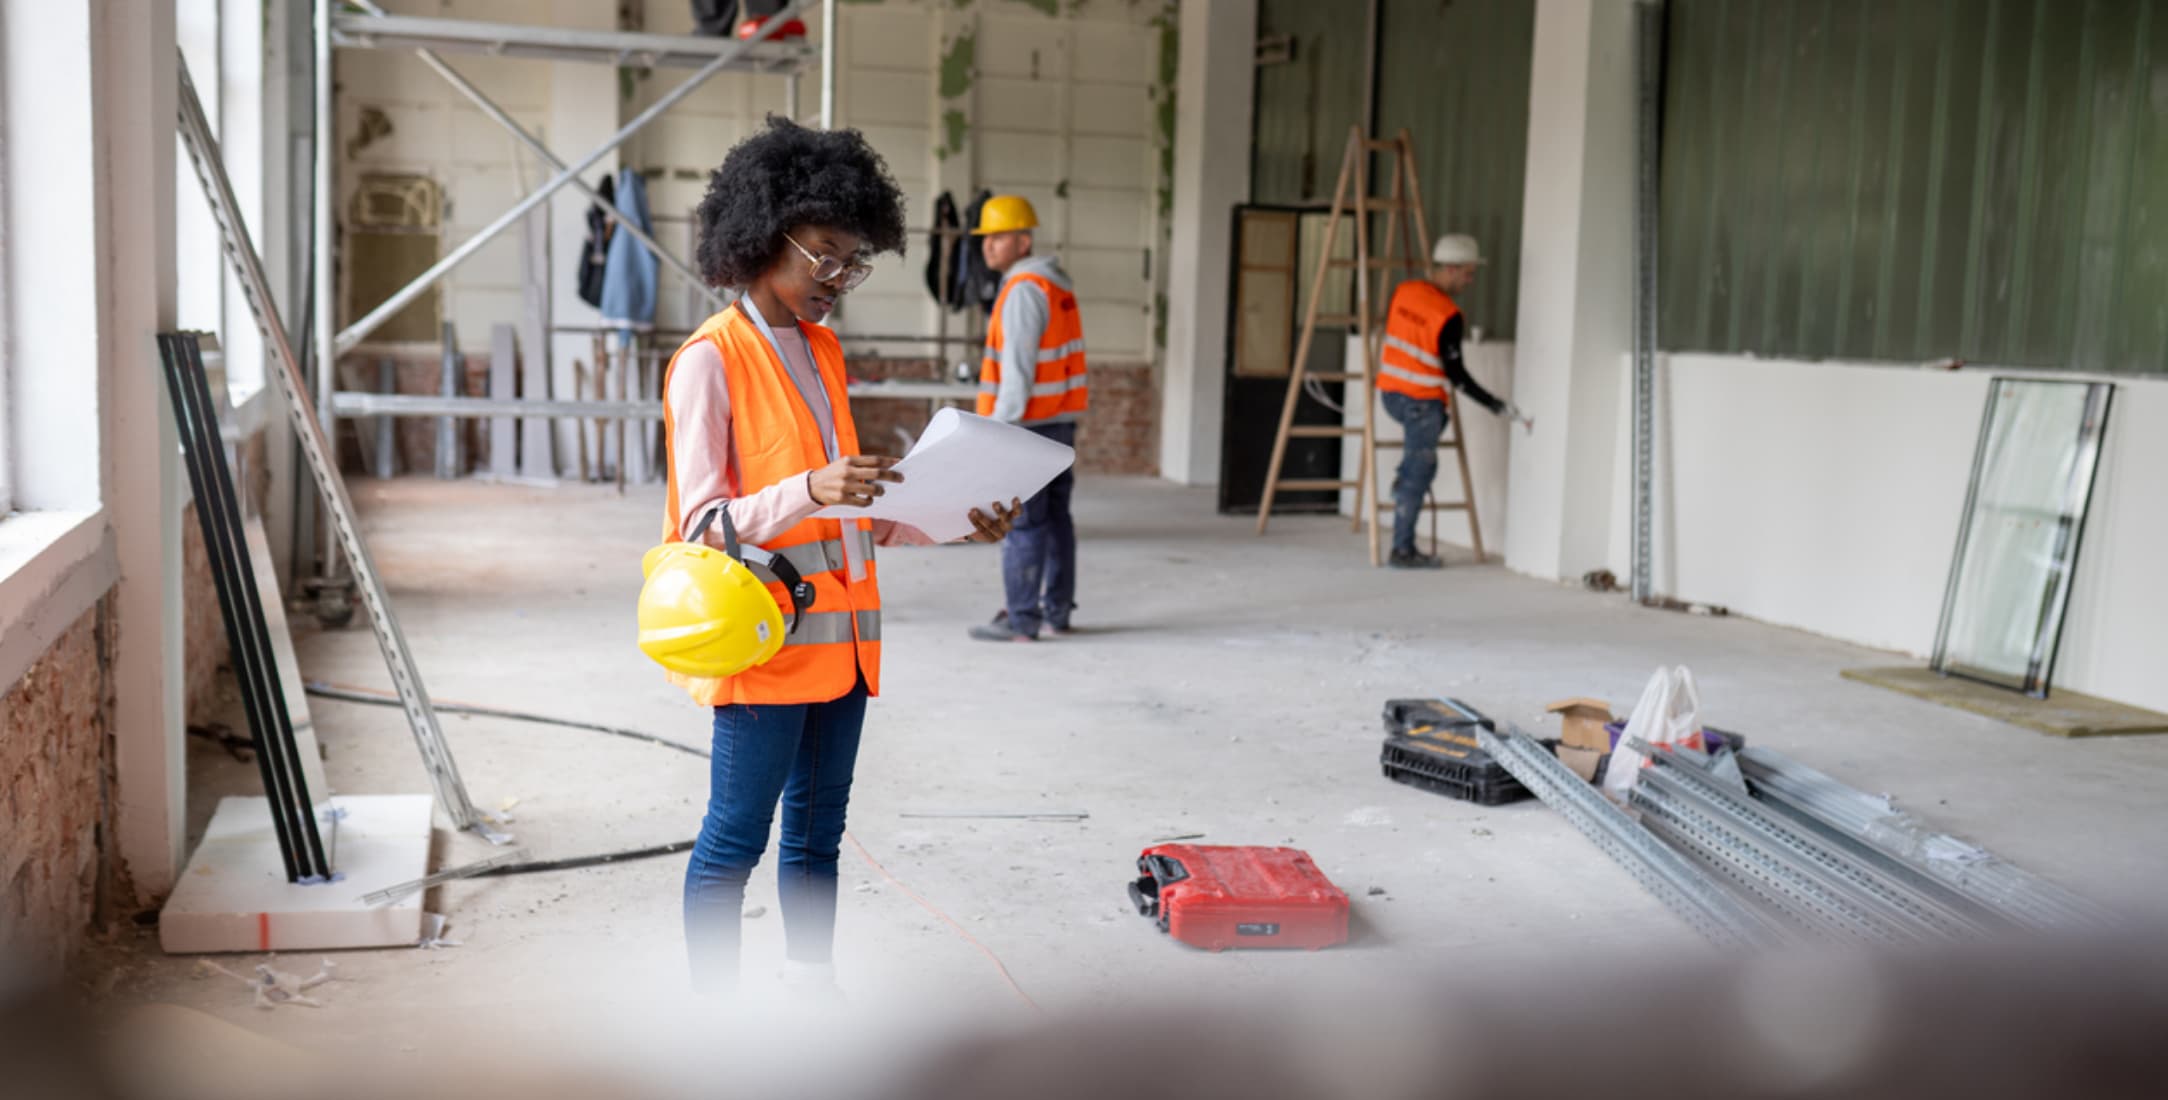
[
  {"x": 1005, "y": 214},
  {"x": 703, "y": 612}
]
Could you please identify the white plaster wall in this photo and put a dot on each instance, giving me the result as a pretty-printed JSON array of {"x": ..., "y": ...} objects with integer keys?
[
  {"x": 1488, "y": 442},
  {"x": 1576, "y": 284},
  {"x": 1827, "y": 496},
  {"x": 1059, "y": 111}
]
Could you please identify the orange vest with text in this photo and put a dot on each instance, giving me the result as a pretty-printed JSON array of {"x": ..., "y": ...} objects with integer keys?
[
  {"x": 1413, "y": 322},
  {"x": 1057, "y": 389},
  {"x": 776, "y": 438}
]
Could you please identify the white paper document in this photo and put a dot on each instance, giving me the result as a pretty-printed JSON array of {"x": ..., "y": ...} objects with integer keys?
[{"x": 960, "y": 463}]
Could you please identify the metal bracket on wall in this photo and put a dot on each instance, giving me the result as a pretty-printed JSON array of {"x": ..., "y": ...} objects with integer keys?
[{"x": 203, "y": 153}]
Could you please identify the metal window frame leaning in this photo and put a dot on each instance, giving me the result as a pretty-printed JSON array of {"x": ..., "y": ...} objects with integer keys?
[{"x": 203, "y": 153}]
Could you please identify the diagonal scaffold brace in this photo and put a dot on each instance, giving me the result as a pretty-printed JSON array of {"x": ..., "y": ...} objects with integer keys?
[{"x": 203, "y": 153}]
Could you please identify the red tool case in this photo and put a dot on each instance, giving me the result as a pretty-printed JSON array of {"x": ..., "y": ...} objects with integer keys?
[{"x": 1217, "y": 897}]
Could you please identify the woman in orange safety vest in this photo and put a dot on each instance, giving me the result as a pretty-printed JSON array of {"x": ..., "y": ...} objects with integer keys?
[{"x": 757, "y": 424}]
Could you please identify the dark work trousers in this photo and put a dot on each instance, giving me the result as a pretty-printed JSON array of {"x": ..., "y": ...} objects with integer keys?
[
  {"x": 1422, "y": 422},
  {"x": 1038, "y": 559}
]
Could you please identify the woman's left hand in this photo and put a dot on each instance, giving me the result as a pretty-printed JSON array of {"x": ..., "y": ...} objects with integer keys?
[{"x": 994, "y": 527}]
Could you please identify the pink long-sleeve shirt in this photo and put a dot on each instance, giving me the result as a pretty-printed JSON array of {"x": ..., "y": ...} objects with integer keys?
[{"x": 706, "y": 465}]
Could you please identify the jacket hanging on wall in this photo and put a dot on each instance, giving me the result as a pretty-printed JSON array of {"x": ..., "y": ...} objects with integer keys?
[
  {"x": 595, "y": 251},
  {"x": 714, "y": 16},
  {"x": 941, "y": 272},
  {"x": 628, "y": 280},
  {"x": 976, "y": 284}
]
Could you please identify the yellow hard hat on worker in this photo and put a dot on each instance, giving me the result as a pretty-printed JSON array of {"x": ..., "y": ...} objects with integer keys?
[
  {"x": 705, "y": 613},
  {"x": 1006, "y": 214}
]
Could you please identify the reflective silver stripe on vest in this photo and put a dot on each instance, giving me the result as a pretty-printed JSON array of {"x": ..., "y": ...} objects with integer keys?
[
  {"x": 826, "y": 555},
  {"x": 989, "y": 387},
  {"x": 835, "y": 628},
  {"x": 1063, "y": 385},
  {"x": 1433, "y": 381},
  {"x": 1073, "y": 347},
  {"x": 1428, "y": 359},
  {"x": 1057, "y": 418},
  {"x": 813, "y": 557}
]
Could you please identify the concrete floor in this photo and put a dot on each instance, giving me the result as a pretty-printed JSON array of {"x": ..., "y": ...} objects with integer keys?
[{"x": 1224, "y": 685}]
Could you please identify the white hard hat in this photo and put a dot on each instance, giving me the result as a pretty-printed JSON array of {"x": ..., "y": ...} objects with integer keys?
[{"x": 1456, "y": 248}]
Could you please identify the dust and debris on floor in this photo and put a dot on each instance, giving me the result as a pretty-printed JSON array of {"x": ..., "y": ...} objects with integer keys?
[{"x": 1232, "y": 695}]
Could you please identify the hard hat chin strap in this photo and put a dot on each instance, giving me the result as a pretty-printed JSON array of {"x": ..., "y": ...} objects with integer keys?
[{"x": 754, "y": 557}]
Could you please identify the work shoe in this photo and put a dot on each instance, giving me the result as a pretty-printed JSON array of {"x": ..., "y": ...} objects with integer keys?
[
  {"x": 997, "y": 632},
  {"x": 1414, "y": 559},
  {"x": 811, "y": 983}
]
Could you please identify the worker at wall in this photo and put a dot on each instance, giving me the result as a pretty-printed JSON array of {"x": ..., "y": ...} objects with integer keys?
[
  {"x": 1032, "y": 374},
  {"x": 1421, "y": 367},
  {"x": 757, "y": 422}
]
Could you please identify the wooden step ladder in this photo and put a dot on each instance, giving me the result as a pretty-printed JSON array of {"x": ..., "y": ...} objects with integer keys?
[{"x": 1406, "y": 251}]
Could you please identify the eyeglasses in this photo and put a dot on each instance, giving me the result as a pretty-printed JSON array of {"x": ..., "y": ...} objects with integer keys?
[{"x": 828, "y": 269}]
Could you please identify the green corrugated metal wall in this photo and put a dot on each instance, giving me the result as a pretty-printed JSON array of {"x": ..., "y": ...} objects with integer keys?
[
  {"x": 1305, "y": 106},
  {"x": 1454, "y": 72},
  {"x": 1916, "y": 179}
]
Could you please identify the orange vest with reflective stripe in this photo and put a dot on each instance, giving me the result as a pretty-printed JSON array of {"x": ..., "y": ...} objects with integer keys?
[
  {"x": 1057, "y": 389},
  {"x": 1413, "y": 322},
  {"x": 776, "y": 438}
]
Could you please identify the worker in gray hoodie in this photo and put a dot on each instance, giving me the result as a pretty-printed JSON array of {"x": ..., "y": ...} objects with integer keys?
[{"x": 1032, "y": 375}]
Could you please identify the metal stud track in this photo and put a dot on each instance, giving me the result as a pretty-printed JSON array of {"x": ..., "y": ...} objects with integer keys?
[
  {"x": 436, "y": 755},
  {"x": 1893, "y": 902},
  {"x": 1935, "y": 864},
  {"x": 1674, "y": 881}
]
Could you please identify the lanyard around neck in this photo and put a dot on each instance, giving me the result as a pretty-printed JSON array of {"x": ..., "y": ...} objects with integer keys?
[{"x": 752, "y": 312}]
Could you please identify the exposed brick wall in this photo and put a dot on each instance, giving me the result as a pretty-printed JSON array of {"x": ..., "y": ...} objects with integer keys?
[
  {"x": 203, "y": 628},
  {"x": 56, "y": 755},
  {"x": 1119, "y": 435}
]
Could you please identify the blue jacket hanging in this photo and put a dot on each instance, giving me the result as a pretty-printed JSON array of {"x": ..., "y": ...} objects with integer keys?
[{"x": 628, "y": 278}]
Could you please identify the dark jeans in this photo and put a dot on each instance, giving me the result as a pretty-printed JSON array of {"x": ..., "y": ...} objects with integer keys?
[
  {"x": 1038, "y": 559},
  {"x": 802, "y": 755},
  {"x": 1421, "y": 423}
]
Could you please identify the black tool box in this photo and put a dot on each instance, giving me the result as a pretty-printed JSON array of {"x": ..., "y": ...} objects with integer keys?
[{"x": 1429, "y": 745}]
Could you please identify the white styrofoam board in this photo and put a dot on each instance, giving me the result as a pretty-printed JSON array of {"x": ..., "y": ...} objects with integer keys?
[{"x": 234, "y": 895}]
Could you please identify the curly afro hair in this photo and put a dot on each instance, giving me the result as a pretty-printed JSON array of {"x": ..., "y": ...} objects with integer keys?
[{"x": 786, "y": 176}]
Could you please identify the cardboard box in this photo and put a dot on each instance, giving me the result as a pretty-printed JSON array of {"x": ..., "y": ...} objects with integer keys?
[
  {"x": 1583, "y": 762},
  {"x": 1582, "y": 722}
]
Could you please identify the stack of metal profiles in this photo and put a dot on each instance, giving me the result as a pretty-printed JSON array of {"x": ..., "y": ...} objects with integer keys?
[{"x": 1757, "y": 849}]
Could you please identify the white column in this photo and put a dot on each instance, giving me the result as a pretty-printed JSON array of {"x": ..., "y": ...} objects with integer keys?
[
  {"x": 1212, "y": 107},
  {"x": 584, "y": 112},
  {"x": 1575, "y": 327},
  {"x": 133, "y": 83}
]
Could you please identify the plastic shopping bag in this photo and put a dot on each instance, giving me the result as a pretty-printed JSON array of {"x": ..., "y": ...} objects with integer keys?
[{"x": 1667, "y": 717}]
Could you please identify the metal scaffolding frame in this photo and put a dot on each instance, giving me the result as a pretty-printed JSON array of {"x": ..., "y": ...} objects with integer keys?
[{"x": 373, "y": 28}]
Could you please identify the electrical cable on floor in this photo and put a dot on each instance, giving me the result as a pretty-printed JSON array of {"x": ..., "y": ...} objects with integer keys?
[{"x": 350, "y": 694}]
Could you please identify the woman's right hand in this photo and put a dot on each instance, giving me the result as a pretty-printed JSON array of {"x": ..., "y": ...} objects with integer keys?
[{"x": 852, "y": 479}]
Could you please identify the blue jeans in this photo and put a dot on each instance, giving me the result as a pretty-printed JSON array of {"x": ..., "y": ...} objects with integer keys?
[
  {"x": 1038, "y": 559},
  {"x": 802, "y": 754},
  {"x": 1422, "y": 421}
]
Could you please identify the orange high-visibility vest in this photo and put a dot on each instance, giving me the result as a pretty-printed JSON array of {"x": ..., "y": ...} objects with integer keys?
[
  {"x": 1413, "y": 322},
  {"x": 1057, "y": 390},
  {"x": 776, "y": 438}
]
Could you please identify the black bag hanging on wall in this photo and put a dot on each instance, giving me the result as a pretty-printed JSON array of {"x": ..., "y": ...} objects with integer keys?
[
  {"x": 976, "y": 284},
  {"x": 595, "y": 250},
  {"x": 941, "y": 253},
  {"x": 714, "y": 16}
]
